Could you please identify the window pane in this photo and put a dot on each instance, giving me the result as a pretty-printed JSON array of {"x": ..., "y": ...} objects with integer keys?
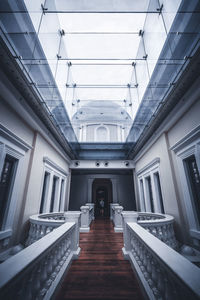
[
  {"x": 53, "y": 193},
  {"x": 194, "y": 181},
  {"x": 159, "y": 192},
  {"x": 150, "y": 194},
  {"x": 6, "y": 185},
  {"x": 44, "y": 191}
]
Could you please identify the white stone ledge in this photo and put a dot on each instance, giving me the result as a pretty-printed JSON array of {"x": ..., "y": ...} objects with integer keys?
[{"x": 183, "y": 269}]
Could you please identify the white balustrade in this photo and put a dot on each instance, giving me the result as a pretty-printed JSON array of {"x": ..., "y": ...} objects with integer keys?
[
  {"x": 42, "y": 224},
  {"x": 87, "y": 216},
  {"x": 35, "y": 272},
  {"x": 112, "y": 205},
  {"x": 127, "y": 216},
  {"x": 161, "y": 226},
  {"x": 163, "y": 272},
  {"x": 117, "y": 218},
  {"x": 85, "y": 219},
  {"x": 74, "y": 216},
  {"x": 91, "y": 205}
]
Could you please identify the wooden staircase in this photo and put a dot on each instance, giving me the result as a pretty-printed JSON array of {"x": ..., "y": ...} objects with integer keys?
[{"x": 101, "y": 271}]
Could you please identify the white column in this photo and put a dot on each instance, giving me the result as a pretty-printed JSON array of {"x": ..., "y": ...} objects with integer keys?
[
  {"x": 85, "y": 219},
  {"x": 118, "y": 218},
  {"x": 62, "y": 204},
  {"x": 57, "y": 195},
  {"x": 91, "y": 206},
  {"x": 146, "y": 195},
  {"x": 141, "y": 194},
  {"x": 156, "y": 200},
  {"x": 111, "y": 209},
  {"x": 74, "y": 216},
  {"x": 127, "y": 216},
  {"x": 49, "y": 191}
]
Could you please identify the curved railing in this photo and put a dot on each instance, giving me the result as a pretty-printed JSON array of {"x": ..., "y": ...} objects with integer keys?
[
  {"x": 42, "y": 224},
  {"x": 160, "y": 225}
]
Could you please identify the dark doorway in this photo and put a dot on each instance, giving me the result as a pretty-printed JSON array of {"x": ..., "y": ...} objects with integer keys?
[{"x": 102, "y": 197}]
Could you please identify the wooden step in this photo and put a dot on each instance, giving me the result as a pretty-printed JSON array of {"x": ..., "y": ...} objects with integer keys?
[{"x": 101, "y": 271}]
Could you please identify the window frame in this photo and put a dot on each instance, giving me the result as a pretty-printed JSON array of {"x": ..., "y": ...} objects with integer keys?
[
  {"x": 183, "y": 149},
  {"x": 11, "y": 145},
  {"x": 54, "y": 171},
  {"x": 149, "y": 171}
]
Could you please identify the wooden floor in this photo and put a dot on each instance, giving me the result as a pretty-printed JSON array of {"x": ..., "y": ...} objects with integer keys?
[{"x": 101, "y": 271}]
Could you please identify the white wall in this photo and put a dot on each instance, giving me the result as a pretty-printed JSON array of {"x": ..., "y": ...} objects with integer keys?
[{"x": 160, "y": 147}]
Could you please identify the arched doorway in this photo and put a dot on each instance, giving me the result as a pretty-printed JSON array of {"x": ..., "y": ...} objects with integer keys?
[{"x": 102, "y": 190}]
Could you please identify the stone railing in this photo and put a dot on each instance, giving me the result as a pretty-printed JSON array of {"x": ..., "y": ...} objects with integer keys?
[
  {"x": 87, "y": 215},
  {"x": 112, "y": 205},
  {"x": 161, "y": 226},
  {"x": 35, "y": 272},
  {"x": 117, "y": 218},
  {"x": 163, "y": 272},
  {"x": 42, "y": 224}
]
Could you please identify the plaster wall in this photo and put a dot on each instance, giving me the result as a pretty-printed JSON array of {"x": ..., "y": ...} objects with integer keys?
[{"x": 170, "y": 176}]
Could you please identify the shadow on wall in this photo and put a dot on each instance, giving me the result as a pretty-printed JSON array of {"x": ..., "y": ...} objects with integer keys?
[{"x": 122, "y": 193}]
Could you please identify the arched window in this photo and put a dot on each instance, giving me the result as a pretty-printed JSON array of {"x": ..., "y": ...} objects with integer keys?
[{"x": 102, "y": 134}]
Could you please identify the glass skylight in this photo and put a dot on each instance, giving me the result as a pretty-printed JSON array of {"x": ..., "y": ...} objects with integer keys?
[{"x": 102, "y": 52}]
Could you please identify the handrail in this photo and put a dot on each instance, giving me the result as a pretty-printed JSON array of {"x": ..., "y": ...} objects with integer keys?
[
  {"x": 42, "y": 224},
  {"x": 35, "y": 272},
  {"x": 164, "y": 273},
  {"x": 160, "y": 225}
]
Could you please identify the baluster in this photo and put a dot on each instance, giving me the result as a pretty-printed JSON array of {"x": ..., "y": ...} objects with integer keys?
[
  {"x": 27, "y": 293},
  {"x": 160, "y": 282},
  {"x": 49, "y": 269},
  {"x": 43, "y": 278}
]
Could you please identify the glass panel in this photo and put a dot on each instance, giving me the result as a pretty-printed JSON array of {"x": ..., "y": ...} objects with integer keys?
[
  {"x": 102, "y": 5},
  {"x": 101, "y": 46}
]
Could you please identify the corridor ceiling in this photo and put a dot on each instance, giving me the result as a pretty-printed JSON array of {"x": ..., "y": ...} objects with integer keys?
[{"x": 76, "y": 52}]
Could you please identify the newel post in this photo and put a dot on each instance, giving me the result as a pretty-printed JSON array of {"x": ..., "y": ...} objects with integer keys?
[
  {"x": 127, "y": 216},
  {"x": 74, "y": 216},
  {"x": 85, "y": 218}
]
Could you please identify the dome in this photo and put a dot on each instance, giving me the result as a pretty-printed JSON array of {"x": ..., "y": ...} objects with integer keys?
[{"x": 102, "y": 111}]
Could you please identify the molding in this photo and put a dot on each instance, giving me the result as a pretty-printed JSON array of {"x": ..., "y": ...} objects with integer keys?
[
  {"x": 49, "y": 162},
  {"x": 6, "y": 133},
  {"x": 187, "y": 139},
  {"x": 112, "y": 164},
  {"x": 150, "y": 165}
]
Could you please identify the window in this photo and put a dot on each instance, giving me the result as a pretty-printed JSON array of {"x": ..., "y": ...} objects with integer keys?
[
  {"x": 61, "y": 195},
  {"x": 12, "y": 151},
  {"x": 54, "y": 193},
  {"x": 187, "y": 152},
  {"x": 53, "y": 187},
  {"x": 6, "y": 184},
  {"x": 142, "y": 202},
  {"x": 44, "y": 191},
  {"x": 102, "y": 134},
  {"x": 150, "y": 191},
  {"x": 194, "y": 184},
  {"x": 159, "y": 192}
]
